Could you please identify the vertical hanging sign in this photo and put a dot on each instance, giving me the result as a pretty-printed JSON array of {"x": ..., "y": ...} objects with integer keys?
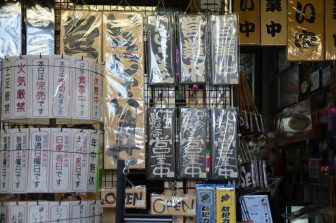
[
  {"x": 193, "y": 141},
  {"x": 305, "y": 30},
  {"x": 38, "y": 212},
  {"x": 82, "y": 103},
  {"x": 59, "y": 212},
  {"x": 93, "y": 161},
  {"x": 330, "y": 32},
  {"x": 273, "y": 22},
  {"x": 21, "y": 82},
  {"x": 249, "y": 21},
  {"x": 224, "y": 143},
  {"x": 226, "y": 204},
  {"x": 78, "y": 211},
  {"x": 161, "y": 145},
  {"x": 39, "y": 152},
  {"x": 17, "y": 212},
  {"x": 5, "y": 155},
  {"x": 96, "y": 90},
  {"x": 19, "y": 160},
  {"x": 6, "y": 89},
  {"x": 205, "y": 203},
  {"x": 60, "y": 160}
]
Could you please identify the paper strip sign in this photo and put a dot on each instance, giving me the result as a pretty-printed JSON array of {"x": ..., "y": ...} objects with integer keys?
[{"x": 134, "y": 197}]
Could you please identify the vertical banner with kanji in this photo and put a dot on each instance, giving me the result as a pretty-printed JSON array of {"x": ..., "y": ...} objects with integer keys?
[
  {"x": 59, "y": 211},
  {"x": 273, "y": 22},
  {"x": 330, "y": 31},
  {"x": 17, "y": 212},
  {"x": 249, "y": 21},
  {"x": 5, "y": 155},
  {"x": 305, "y": 30},
  {"x": 226, "y": 204}
]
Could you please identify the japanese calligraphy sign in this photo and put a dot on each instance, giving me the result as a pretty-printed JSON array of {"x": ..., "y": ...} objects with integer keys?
[
  {"x": 96, "y": 91},
  {"x": 192, "y": 30},
  {"x": 193, "y": 139},
  {"x": 134, "y": 197},
  {"x": 10, "y": 29},
  {"x": 273, "y": 22},
  {"x": 123, "y": 51},
  {"x": 20, "y": 85},
  {"x": 38, "y": 212},
  {"x": 19, "y": 159},
  {"x": 59, "y": 212},
  {"x": 224, "y": 47},
  {"x": 5, "y": 157},
  {"x": 39, "y": 159},
  {"x": 93, "y": 161},
  {"x": 61, "y": 158},
  {"x": 249, "y": 21},
  {"x": 161, "y": 60},
  {"x": 81, "y": 34},
  {"x": 330, "y": 33},
  {"x": 7, "y": 79},
  {"x": 94, "y": 211},
  {"x": 81, "y": 86},
  {"x": 305, "y": 30},
  {"x": 3, "y": 213},
  {"x": 161, "y": 145},
  {"x": 17, "y": 212},
  {"x": 78, "y": 211},
  {"x": 205, "y": 208},
  {"x": 81, "y": 143},
  {"x": 124, "y": 133},
  {"x": 224, "y": 143},
  {"x": 171, "y": 203},
  {"x": 40, "y": 25},
  {"x": 225, "y": 204}
]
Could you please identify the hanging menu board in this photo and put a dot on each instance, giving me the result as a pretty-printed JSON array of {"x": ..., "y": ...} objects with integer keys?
[
  {"x": 161, "y": 144},
  {"x": 193, "y": 139},
  {"x": 305, "y": 30},
  {"x": 40, "y": 25},
  {"x": 192, "y": 30},
  {"x": 249, "y": 21},
  {"x": 273, "y": 22},
  {"x": 81, "y": 34},
  {"x": 161, "y": 49},
  {"x": 330, "y": 33},
  {"x": 224, "y": 143}
]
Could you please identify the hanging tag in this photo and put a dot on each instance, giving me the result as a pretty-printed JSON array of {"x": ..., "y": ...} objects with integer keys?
[
  {"x": 63, "y": 73},
  {"x": 38, "y": 211},
  {"x": 19, "y": 160},
  {"x": 7, "y": 90},
  {"x": 81, "y": 142},
  {"x": 59, "y": 212},
  {"x": 61, "y": 155},
  {"x": 17, "y": 212},
  {"x": 81, "y": 90},
  {"x": 41, "y": 75},
  {"x": 95, "y": 211},
  {"x": 39, "y": 156},
  {"x": 205, "y": 200},
  {"x": 226, "y": 204},
  {"x": 93, "y": 161},
  {"x": 4, "y": 213},
  {"x": 96, "y": 91},
  {"x": 5, "y": 161},
  {"x": 161, "y": 145},
  {"x": 78, "y": 211},
  {"x": 224, "y": 143}
]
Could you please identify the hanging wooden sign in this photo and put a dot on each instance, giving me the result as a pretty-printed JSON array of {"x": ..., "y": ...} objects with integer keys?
[
  {"x": 193, "y": 138},
  {"x": 224, "y": 143},
  {"x": 173, "y": 203},
  {"x": 161, "y": 144},
  {"x": 134, "y": 197},
  {"x": 249, "y": 21},
  {"x": 330, "y": 31},
  {"x": 273, "y": 22},
  {"x": 305, "y": 30},
  {"x": 226, "y": 204}
]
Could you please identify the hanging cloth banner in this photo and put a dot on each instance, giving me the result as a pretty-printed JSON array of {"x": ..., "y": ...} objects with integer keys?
[
  {"x": 274, "y": 22},
  {"x": 206, "y": 201},
  {"x": 40, "y": 27},
  {"x": 192, "y": 31},
  {"x": 224, "y": 47},
  {"x": 226, "y": 204},
  {"x": 10, "y": 29},
  {"x": 305, "y": 30},
  {"x": 123, "y": 53},
  {"x": 224, "y": 143},
  {"x": 330, "y": 33},
  {"x": 161, "y": 145},
  {"x": 161, "y": 49},
  {"x": 81, "y": 34},
  {"x": 249, "y": 21},
  {"x": 193, "y": 140}
]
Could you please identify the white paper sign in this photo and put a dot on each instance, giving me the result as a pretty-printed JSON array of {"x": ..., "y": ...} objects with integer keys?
[
  {"x": 79, "y": 212},
  {"x": 80, "y": 159},
  {"x": 62, "y": 75},
  {"x": 38, "y": 212},
  {"x": 21, "y": 102},
  {"x": 3, "y": 213},
  {"x": 17, "y": 212},
  {"x": 256, "y": 208},
  {"x": 39, "y": 156},
  {"x": 96, "y": 91},
  {"x": 93, "y": 161},
  {"x": 40, "y": 86},
  {"x": 61, "y": 155},
  {"x": 6, "y": 89},
  {"x": 5, "y": 156},
  {"x": 94, "y": 212},
  {"x": 19, "y": 160},
  {"x": 59, "y": 212},
  {"x": 82, "y": 90}
]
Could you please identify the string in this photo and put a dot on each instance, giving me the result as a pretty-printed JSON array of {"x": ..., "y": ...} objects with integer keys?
[{"x": 191, "y": 1}]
